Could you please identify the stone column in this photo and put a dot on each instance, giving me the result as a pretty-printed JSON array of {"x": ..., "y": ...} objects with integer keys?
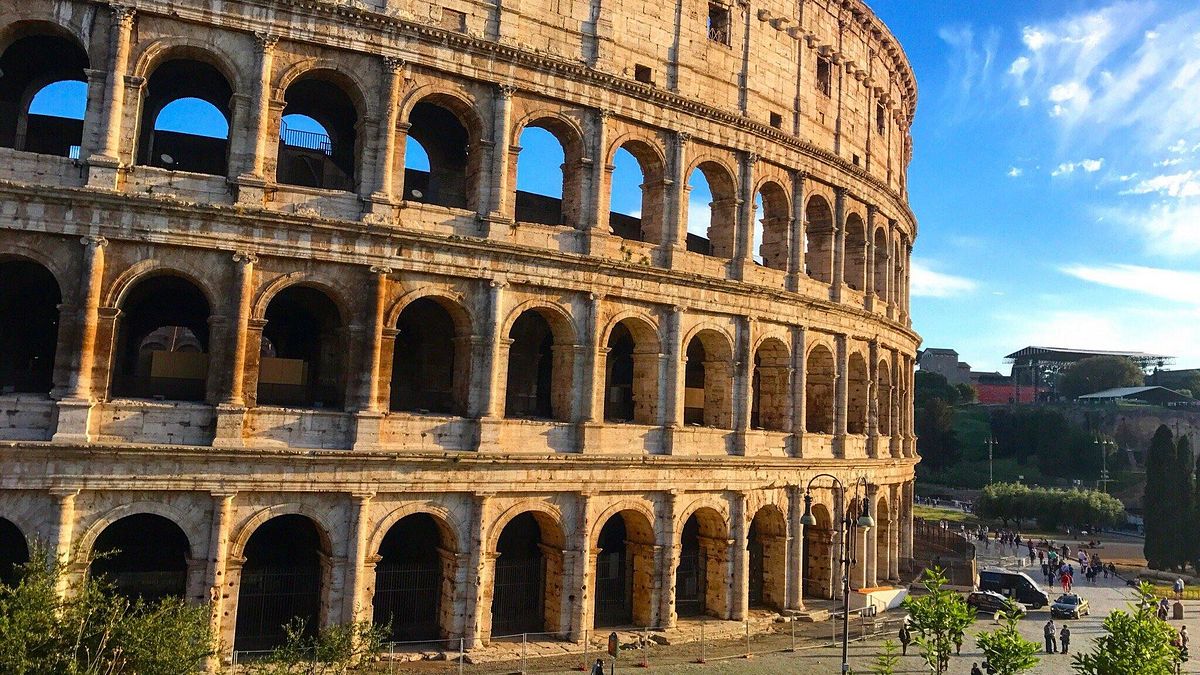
[
  {"x": 231, "y": 403},
  {"x": 62, "y": 539},
  {"x": 795, "y": 549},
  {"x": 837, "y": 544},
  {"x": 872, "y": 543},
  {"x": 496, "y": 198},
  {"x": 842, "y": 395},
  {"x": 895, "y": 443},
  {"x": 744, "y": 233},
  {"x": 74, "y": 410},
  {"x": 251, "y": 180},
  {"x": 591, "y": 366},
  {"x": 595, "y": 192},
  {"x": 839, "y": 245},
  {"x": 102, "y": 166},
  {"x": 583, "y": 572},
  {"x": 672, "y": 385},
  {"x": 740, "y": 560},
  {"x": 796, "y": 235},
  {"x": 383, "y": 195},
  {"x": 489, "y": 390},
  {"x": 355, "y": 604},
  {"x": 214, "y": 573},
  {"x": 369, "y": 416},
  {"x": 873, "y": 394},
  {"x": 674, "y": 227},
  {"x": 896, "y": 498},
  {"x": 743, "y": 380},
  {"x": 478, "y": 609},
  {"x": 668, "y": 561},
  {"x": 799, "y": 387},
  {"x": 906, "y": 522}
]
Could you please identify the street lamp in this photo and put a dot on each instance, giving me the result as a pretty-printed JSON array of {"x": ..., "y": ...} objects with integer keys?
[
  {"x": 1104, "y": 444},
  {"x": 848, "y": 526}
]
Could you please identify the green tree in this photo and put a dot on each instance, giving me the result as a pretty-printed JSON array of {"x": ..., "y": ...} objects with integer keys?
[
  {"x": 936, "y": 442},
  {"x": 1194, "y": 520},
  {"x": 1159, "y": 499},
  {"x": 90, "y": 630},
  {"x": 886, "y": 661},
  {"x": 966, "y": 393},
  {"x": 1184, "y": 548},
  {"x": 1006, "y": 651},
  {"x": 1098, "y": 373},
  {"x": 936, "y": 618},
  {"x": 928, "y": 385},
  {"x": 1133, "y": 642},
  {"x": 333, "y": 650}
]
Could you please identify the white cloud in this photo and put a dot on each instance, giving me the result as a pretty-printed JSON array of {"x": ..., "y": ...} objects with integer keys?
[
  {"x": 971, "y": 64},
  {"x": 1174, "y": 285},
  {"x": 1186, "y": 184},
  {"x": 1085, "y": 165},
  {"x": 1169, "y": 162},
  {"x": 1118, "y": 327},
  {"x": 1014, "y": 172},
  {"x": 1035, "y": 38},
  {"x": 1023, "y": 102},
  {"x": 1019, "y": 66},
  {"x": 925, "y": 282}
]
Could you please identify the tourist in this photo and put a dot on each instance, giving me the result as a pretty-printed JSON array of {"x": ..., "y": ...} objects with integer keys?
[
  {"x": 905, "y": 638},
  {"x": 975, "y": 669},
  {"x": 1064, "y": 638},
  {"x": 1049, "y": 631},
  {"x": 1178, "y": 588},
  {"x": 598, "y": 667}
]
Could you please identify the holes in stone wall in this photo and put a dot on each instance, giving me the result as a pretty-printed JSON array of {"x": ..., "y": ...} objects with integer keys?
[
  {"x": 452, "y": 167},
  {"x": 29, "y": 299},
  {"x": 429, "y": 365},
  {"x": 282, "y": 580},
  {"x": 818, "y": 390},
  {"x": 143, "y": 556},
  {"x": 712, "y": 211},
  {"x": 708, "y": 381},
  {"x": 855, "y": 265},
  {"x": 318, "y": 135},
  {"x": 818, "y": 238},
  {"x": 43, "y": 92},
  {"x": 162, "y": 341},
  {"x": 303, "y": 351},
  {"x": 185, "y": 118},
  {"x": 410, "y": 579}
]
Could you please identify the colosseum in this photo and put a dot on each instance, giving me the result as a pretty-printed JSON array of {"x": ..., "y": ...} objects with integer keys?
[{"x": 349, "y": 371}]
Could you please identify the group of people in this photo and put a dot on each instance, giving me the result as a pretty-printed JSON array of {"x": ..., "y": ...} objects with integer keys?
[{"x": 1057, "y": 567}]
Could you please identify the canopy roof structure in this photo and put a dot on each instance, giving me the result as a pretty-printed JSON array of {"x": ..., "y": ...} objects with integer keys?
[
  {"x": 1063, "y": 356},
  {"x": 1153, "y": 395}
]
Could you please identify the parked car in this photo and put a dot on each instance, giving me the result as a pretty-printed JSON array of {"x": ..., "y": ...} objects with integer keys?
[
  {"x": 1016, "y": 585},
  {"x": 1070, "y": 606},
  {"x": 992, "y": 602}
]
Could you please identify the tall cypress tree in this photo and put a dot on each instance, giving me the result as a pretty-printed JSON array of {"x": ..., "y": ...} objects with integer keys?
[
  {"x": 1157, "y": 502},
  {"x": 1193, "y": 524},
  {"x": 1184, "y": 537}
]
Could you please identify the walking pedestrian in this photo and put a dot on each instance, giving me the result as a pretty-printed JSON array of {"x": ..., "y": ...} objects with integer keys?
[
  {"x": 1178, "y": 588},
  {"x": 1049, "y": 632},
  {"x": 598, "y": 667},
  {"x": 958, "y": 640},
  {"x": 905, "y": 638},
  {"x": 1064, "y": 639},
  {"x": 975, "y": 669}
]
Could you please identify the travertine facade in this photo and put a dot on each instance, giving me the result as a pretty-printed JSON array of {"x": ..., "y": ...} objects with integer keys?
[{"x": 294, "y": 374}]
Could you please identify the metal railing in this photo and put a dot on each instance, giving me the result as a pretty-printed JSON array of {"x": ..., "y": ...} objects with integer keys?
[{"x": 308, "y": 140}]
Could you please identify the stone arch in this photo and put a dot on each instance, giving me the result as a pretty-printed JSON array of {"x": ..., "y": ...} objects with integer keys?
[
  {"x": 766, "y": 543},
  {"x": 142, "y": 270},
  {"x": 346, "y": 79},
  {"x": 858, "y": 385},
  {"x": 720, "y": 239},
  {"x": 30, "y": 296},
  {"x": 415, "y": 575},
  {"x": 883, "y": 397},
  {"x": 28, "y": 21},
  {"x": 818, "y": 239},
  {"x": 303, "y": 359},
  {"x": 527, "y": 544},
  {"x": 546, "y": 209},
  {"x": 143, "y": 555},
  {"x": 631, "y": 365},
  {"x": 704, "y": 548},
  {"x": 624, "y": 541},
  {"x": 649, "y": 225},
  {"x": 242, "y": 534},
  {"x": 855, "y": 264},
  {"x": 431, "y": 356},
  {"x": 818, "y": 560},
  {"x": 772, "y": 231},
  {"x": 708, "y": 378},
  {"x": 455, "y": 303},
  {"x": 37, "y": 53},
  {"x": 159, "y": 51},
  {"x": 820, "y": 377},
  {"x": 540, "y": 357},
  {"x": 14, "y": 550},
  {"x": 87, "y": 540},
  {"x": 771, "y": 386},
  {"x": 270, "y": 290},
  {"x": 448, "y": 129},
  {"x": 322, "y": 92},
  {"x": 880, "y": 265},
  {"x": 13, "y": 252}
]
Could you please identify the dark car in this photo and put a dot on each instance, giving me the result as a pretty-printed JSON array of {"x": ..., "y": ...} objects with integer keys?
[
  {"x": 1070, "y": 606},
  {"x": 1016, "y": 585},
  {"x": 992, "y": 602}
]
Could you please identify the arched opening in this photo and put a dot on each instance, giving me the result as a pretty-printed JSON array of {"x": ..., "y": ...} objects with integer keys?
[
  {"x": 883, "y": 537},
  {"x": 712, "y": 211},
  {"x": 818, "y": 240},
  {"x": 43, "y": 92},
  {"x": 528, "y": 582},
  {"x": 193, "y": 134},
  {"x": 624, "y": 571},
  {"x": 29, "y": 299},
  {"x": 881, "y": 265},
  {"x": 771, "y": 387},
  {"x": 772, "y": 220},
  {"x": 855, "y": 268},
  {"x": 703, "y": 557},
  {"x": 14, "y": 552},
  {"x": 450, "y": 161},
  {"x": 767, "y": 549},
  {"x": 429, "y": 365},
  {"x": 143, "y": 556},
  {"x": 857, "y": 404},
  {"x": 708, "y": 382},
  {"x": 318, "y": 135},
  {"x": 162, "y": 341},
  {"x": 819, "y": 376},
  {"x": 414, "y": 579},
  {"x": 631, "y": 373},
  {"x": 636, "y": 193},
  {"x": 883, "y": 395},
  {"x": 282, "y": 581},
  {"x": 539, "y": 369},
  {"x": 302, "y": 351},
  {"x": 818, "y": 555},
  {"x": 542, "y": 177}
]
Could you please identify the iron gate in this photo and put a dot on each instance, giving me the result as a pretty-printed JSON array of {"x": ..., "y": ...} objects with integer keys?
[
  {"x": 614, "y": 590},
  {"x": 269, "y": 599},
  {"x": 408, "y": 598},
  {"x": 519, "y": 595},
  {"x": 150, "y": 586},
  {"x": 691, "y": 583}
]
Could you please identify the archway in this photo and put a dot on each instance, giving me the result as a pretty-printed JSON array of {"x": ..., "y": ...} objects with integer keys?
[
  {"x": 303, "y": 351},
  {"x": 527, "y": 590},
  {"x": 708, "y": 382},
  {"x": 636, "y": 193},
  {"x": 883, "y": 396},
  {"x": 189, "y": 137},
  {"x": 14, "y": 552},
  {"x": 624, "y": 571},
  {"x": 820, "y": 373},
  {"x": 540, "y": 360},
  {"x": 43, "y": 92},
  {"x": 447, "y": 147},
  {"x": 414, "y": 579},
  {"x": 772, "y": 221},
  {"x": 818, "y": 240},
  {"x": 29, "y": 299},
  {"x": 880, "y": 265},
  {"x": 858, "y": 380},
  {"x": 855, "y": 266},
  {"x": 631, "y": 373},
  {"x": 712, "y": 225},
  {"x": 767, "y": 549},
  {"x": 547, "y": 174},
  {"x": 703, "y": 556},
  {"x": 883, "y": 538},
  {"x": 818, "y": 555},
  {"x": 143, "y": 556},
  {"x": 771, "y": 387},
  {"x": 318, "y": 144},
  {"x": 282, "y": 582},
  {"x": 162, "y": 341},
  {"x": 430, "y": 367}
]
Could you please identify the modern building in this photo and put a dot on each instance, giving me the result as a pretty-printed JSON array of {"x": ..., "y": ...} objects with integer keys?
[{"x": 292, "y": 372}]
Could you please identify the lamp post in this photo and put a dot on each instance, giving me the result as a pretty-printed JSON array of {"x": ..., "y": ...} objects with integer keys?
[
  {"x": 1104, "y": 443},
  {"x": 848, "y": 527},
  {"x": 991, "y": 444}
]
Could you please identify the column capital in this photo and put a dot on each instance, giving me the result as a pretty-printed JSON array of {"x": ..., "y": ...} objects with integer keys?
[
  {"x": 751, "y": 158},
  {"x": 245, "y": 257},
  {"x": 222, "y": 494},
  {"x": 122, "y": 14},
  {"x": 63, "y": 493},
  {"x": 362, "y": 496},
  {"x": 264, "y": 42},
  {"x": 604, "y": 113},
  {"x": 682, "y": 137},
  {"x": 505, "y": 91},
  {"x": 497, "y": 283},
  {"x": 93, "y": 240},
  {"x": 394, "y": 64},
  {"x": 380, "y": 270}
]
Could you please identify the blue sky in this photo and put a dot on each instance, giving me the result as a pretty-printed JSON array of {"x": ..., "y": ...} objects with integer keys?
[
  {"x": 1055, "y": 177},
  {"x": 1056, "y": 174}
]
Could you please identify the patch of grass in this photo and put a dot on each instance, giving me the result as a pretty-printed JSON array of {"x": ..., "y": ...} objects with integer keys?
[{"x": 949, "y": 515}]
